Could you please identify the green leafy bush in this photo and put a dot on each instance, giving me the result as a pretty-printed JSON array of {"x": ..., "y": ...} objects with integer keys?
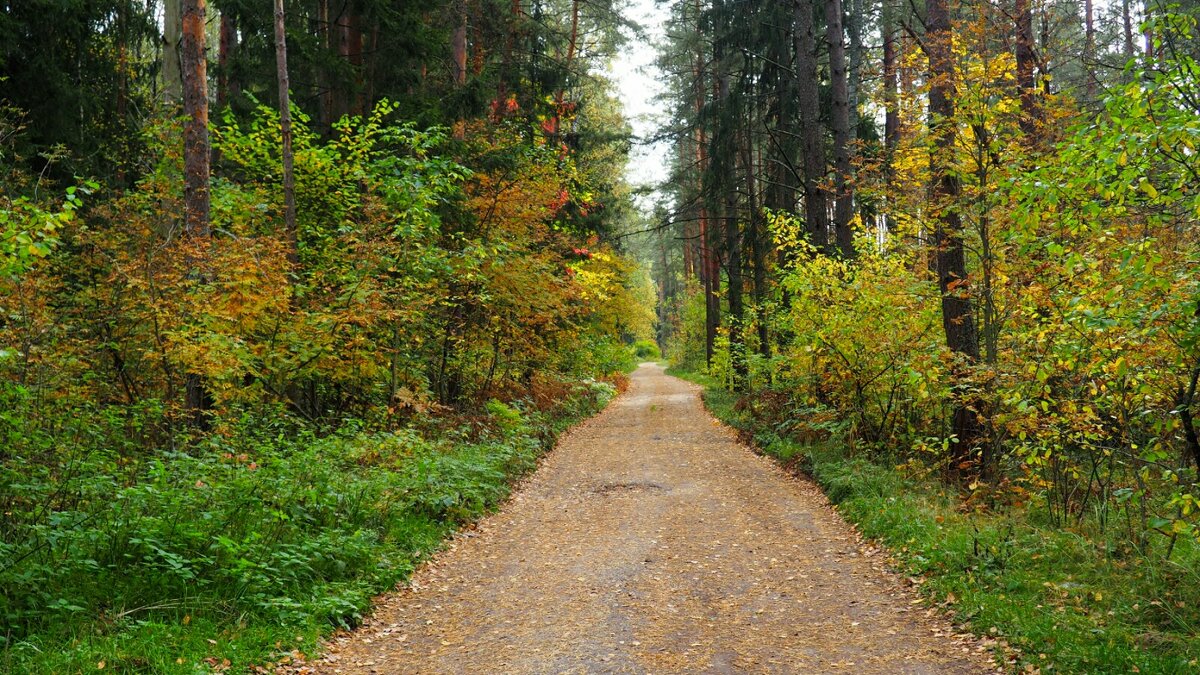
[
  {"x": 646, "y": 350},
  {"x": 270, "y": 528}
]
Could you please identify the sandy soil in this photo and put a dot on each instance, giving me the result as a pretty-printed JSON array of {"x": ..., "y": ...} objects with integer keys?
[{"x": 651, "y": 541}]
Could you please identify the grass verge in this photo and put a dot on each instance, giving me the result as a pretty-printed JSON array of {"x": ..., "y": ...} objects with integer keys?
[
  {"x": 1062, "y": 600},
  {"x": 245, "y": 550}
]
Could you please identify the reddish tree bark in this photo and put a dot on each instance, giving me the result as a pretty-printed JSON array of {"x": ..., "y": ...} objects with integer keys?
[
  {"x": 1025, "y": 65},
  {"x": 195, "y": 107},
  {"x": 891, "y": 115},
  {"x": 195, "y": 164}
]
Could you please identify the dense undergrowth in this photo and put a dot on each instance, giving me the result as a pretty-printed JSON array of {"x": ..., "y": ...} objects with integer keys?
[
  {"x": 1063, "y": 599},
  {"x": 248, "y": 546}
]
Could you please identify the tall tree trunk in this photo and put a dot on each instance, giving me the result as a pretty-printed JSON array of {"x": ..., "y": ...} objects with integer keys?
[
  {"x": 710, "y": 274},
  {"x": 285, "y": 126},
  {"x": 725, "y": 159},
  {"x": 324, "y": 75},
  {"x": 854, "y": 29},
  {"x": 1127, "y": 28},
  {"x": 511, "y": 41},
  {"x": 195, "y": 163},
  {"x": 225, "y": 45},
  {"x": 840, "y": 119},
  {"x": 891, "y": 99},
  {"x": 816, "y": 213},
  {"x": 347, "y": 96},
  {"x": 458, "y": 43},
  {"x": 1025, "y": 64},
  {"x": 195, "y": 107},
  {"x": 958, "y": 314},
  {"x": 172, "y": 77},
  {"x": 371, "y": 69},
  {"x": 891, "y": 75},
  {"x": 123, "y": 155},
  {"x": 781, "y": 175},
  {"x": 568, "y": 63},
  {"x": 1089, "y": 48},
  {"x": 758, "y": 246},
  {"x": 1044, "y": 62},
  {"x": 479, "y": 46}
]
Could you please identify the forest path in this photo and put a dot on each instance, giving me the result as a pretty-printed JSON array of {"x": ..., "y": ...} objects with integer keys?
[{"x": 651, "y": 541}]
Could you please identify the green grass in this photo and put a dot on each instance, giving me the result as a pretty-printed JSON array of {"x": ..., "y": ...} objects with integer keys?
[
  {"x": 243, "y": 549},
  {"x": 1067, "y": 601}
]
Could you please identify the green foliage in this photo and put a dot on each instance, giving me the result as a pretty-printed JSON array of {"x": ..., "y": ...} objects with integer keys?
[
  {"x": 28, "y": 231},
  {"x": 30, "y": 223},
  {"x": 646, "y": 350},
  {"x": 603, "y": 355},
  {"x": 685, "y": 348},
  {"x": 867, "y": 342},
  {"x": 271, "y": 528}
]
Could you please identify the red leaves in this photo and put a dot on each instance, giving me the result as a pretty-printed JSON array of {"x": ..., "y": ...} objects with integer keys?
[{"x": 502, "y": 109}]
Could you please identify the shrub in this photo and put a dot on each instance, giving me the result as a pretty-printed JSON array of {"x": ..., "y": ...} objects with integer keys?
[
  {"x": 266, "y": 525},
  {"x": 646, "y": 350}
]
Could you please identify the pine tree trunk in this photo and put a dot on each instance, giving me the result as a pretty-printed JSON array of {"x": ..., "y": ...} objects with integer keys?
[
  {"x": 958, "y": 314},
  {"x": 854, "y": 28},
  {"x": 1089, "y": 48},
  {"x": 1127, "y": 28},
  {"x": 285, "y": 126},
  {"x": 891, "y": 115},
  {"x": 725, "y": 160},
  {"x": 816, "y": 214},
  {"x": 323, "y": 74},
  {"x": 710, "y": 271},
  {"x": 347, "y": 92},
  {"x": 840, "y": 119},
  {"x": 195, "y": 107},
  {"x": 891, "y": 119},
  {"x": 758, "y": 246},
  {"x": 782, "y": 176},
  {"x": 172, "y": 76},
  {"x": 225, "y": 46},
  {"x": 1025, "y": 65},
  {"x": 458, "y": 43},
  {"x": 195, "y": 165}
]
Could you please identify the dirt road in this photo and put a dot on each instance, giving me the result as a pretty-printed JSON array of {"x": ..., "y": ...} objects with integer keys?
[{"x": 651, "y": 541}]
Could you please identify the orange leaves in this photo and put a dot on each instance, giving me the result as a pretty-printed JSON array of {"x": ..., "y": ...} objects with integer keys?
[{"x": 501, "y": 109}]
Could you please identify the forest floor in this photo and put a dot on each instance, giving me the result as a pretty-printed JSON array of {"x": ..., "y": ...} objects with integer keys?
[{"x": 652, "y": 541}]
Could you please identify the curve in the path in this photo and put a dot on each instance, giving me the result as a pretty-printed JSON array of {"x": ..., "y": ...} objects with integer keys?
[{"x": 651, "y": 541}]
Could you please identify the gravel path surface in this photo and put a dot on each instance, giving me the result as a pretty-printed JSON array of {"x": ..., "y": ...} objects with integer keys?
[{"x": 651, "y": 541}]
